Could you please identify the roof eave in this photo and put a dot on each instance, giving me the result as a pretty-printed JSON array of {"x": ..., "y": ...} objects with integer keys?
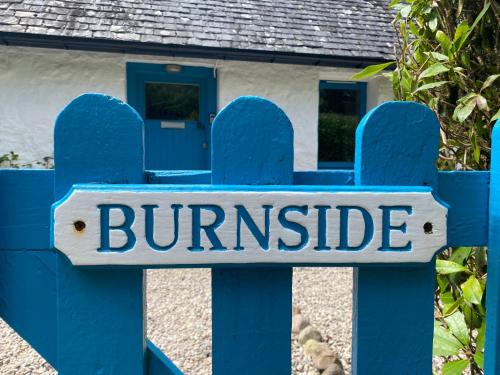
[{"x": 145, "y": 48}]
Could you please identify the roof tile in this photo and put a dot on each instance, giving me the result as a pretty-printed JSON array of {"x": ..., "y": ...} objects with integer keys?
[{"x": 356, "y": 28}]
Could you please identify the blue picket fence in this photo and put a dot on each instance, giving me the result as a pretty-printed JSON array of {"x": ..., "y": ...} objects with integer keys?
[{"x": 91, "y": 320}]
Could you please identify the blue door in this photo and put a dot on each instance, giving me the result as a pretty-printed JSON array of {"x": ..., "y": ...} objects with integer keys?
[{"x": 177, "y": 104}]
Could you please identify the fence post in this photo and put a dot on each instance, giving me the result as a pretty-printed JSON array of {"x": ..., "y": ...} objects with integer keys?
[
  {"x": 251, "y": 307},
  {"x": 492, "y": 341},
  {"x": 99, "y": 312},
  {"x": 396, "y": 144}
]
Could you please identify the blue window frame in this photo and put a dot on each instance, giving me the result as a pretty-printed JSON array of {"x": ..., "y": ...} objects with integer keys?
[{"x": 341, "y": 107}]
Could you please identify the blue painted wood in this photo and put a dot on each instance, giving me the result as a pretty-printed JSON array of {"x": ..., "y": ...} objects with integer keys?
[
  {"x": 174, "y": 148},
  {"x": 26, "y": 195},
  {"x": 158, "y": 363},
  {"x": 178, "y": 177},
  {"x": 241, "y": 188},
  {"x": 28, "y": 298},
  {"x": 396, "y": 144},
  {"x": 251, "y": 308},
  {"x": 99, "y": 312},
  {"x": 467, "y": 194},
  {"x": 492, "y": 341},
  {"x": 332, "y": 177}
]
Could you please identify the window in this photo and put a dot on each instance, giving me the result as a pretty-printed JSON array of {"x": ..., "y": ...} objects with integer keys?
[
  {"x": 341, "y": 107},
  {"x": 169, "y": 101}
]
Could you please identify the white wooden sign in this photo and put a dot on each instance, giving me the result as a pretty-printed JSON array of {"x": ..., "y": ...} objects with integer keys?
[{"x": 154, "y": 225}]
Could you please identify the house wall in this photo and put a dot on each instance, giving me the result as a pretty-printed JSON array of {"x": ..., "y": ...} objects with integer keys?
[{"x": 35, "y": 84}]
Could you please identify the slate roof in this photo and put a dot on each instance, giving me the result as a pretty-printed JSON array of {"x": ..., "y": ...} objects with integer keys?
[{"x": 347, "y": 28}]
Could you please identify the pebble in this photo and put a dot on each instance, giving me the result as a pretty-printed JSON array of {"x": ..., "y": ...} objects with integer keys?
[
  {"x": 334, "y": 369},
  {"x": 179, "y": 320},
  {"x": 309, "y": 333},
  {"x": 299, "y": 322}
]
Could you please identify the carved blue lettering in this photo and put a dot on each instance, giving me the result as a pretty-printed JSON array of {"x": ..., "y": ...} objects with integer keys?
[
  {"x": 262, "y": 238},
  {"x": 150, "y": 223},
  {"x": 322, "y": 226},
  {"x": 125, "y": 227},
  {"x": 293, "y": 226},
  {"x": 344, "y": 228},
  {"x": 208, "y": 228},
  {"x": 387, "y": 228}
]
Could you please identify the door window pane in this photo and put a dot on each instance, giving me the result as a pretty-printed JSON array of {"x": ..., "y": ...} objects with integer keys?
[
  {"x": 338, "y": 117},
  {"x": 169, "y": 101}
]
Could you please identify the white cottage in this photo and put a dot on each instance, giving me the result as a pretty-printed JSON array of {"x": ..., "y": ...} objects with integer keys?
[{"x": 179, "y": 62}]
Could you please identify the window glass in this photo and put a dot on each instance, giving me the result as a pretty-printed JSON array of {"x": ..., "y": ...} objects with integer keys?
[
  {"x": 338, "y": 117},
  {"x": 169, "y": 101}
]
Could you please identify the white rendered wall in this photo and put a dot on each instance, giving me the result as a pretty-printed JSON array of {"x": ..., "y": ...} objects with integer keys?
[{"x": 35, "y": 84}]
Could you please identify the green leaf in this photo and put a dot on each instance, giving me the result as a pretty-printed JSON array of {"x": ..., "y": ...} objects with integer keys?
[
  {"x": 456, "y": 323},
  {"x": 460, "y": 32},
  {"x": 413, "y": 28},
  {"x": 371, "y": 70},
  {"x": 496, "y": 116},
  {"x": 405, "y": 11},
  {"x": 454, "y": 307},
  {"x": 455, "y": 367},
  {"x": 460, "y": 7},
  {"x": 475, "y": 148},
  {"x": 472, "y": 319},
  {"x": 460, "y": 254},
  {"x": 446, "y": 298},
  {"x": 431, "y": 85},
  {"x": 489, "y": 81},
  {"x": 472, "y": 290},
  {"x": 445, "y": 267},
  {"x": 443, "y": 282},
  {"x": 433, "y": 22},
  {"x": 464, "y": 109},
  {"x": 471, "y": 29},
  {"x": 444, "y": 343},
  {"x": 434, "y": 70},
  {"x": 443, "y": 40},
  {"x": 480, "y": 336},
  {"x": 482, "y": 103},
  {"x": 438, "y": 56},
  {"x": 479, "y": 359}
]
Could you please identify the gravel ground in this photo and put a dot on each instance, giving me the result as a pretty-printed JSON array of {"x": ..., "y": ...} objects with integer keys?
[{"x": 179, "y": 320}]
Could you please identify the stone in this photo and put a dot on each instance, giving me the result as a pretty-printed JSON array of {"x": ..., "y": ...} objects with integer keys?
[
  {"x": 295, "y": 310},
  {"x": 299, "y": 322},
  {"x": 335, "y": 369},
  {"x": 321, "y": 355},
  {"x": 309, "y": 333},
  {"x": 312, "y": 346},
  {"x": 324, "y": 359}
]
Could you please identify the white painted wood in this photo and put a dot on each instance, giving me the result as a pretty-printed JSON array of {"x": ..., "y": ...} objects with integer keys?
[{"x": 81, "y": 247}]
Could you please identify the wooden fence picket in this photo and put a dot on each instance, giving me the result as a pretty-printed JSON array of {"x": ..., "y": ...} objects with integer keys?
[
  {"x": 251, "y": 307},
  {"x": 396, "y": 144},
  {"x": 492, "y": 349},
  {"x": 100, "y": 313}
]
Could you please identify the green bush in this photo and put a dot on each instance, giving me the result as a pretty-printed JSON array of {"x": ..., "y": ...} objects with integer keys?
[{"x": 447, "y": 58}]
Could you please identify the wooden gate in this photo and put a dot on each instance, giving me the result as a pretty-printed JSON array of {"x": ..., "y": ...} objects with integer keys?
[{"x": 72, "y": 282}]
